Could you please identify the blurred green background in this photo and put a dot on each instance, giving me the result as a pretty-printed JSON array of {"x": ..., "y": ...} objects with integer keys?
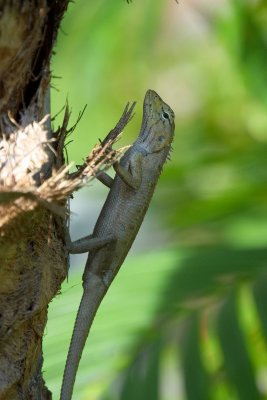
[{"x": 187, "y": 316}]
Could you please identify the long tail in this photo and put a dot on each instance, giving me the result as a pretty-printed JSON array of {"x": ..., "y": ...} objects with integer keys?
[{"x": 94, "y": 291}]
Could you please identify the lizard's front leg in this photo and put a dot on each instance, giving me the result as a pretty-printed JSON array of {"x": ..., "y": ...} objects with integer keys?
[
  {"x": 105, "y": 178},
  {"x": 132, "y": 175}
]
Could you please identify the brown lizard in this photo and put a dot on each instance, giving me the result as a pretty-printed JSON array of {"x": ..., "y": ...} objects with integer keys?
[{"x": 130, "y": 193}]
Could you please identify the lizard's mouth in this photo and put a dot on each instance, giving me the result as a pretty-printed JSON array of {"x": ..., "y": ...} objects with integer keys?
[
  {"x": 151, "y": 98},
  {"x": 147, "y": 104},
  {"x": 148, "y": 108},
  {"x": 151, "y": 94}
]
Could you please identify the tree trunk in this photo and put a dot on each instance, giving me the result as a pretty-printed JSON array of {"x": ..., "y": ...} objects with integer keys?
[{"x": 33, "y": 260}]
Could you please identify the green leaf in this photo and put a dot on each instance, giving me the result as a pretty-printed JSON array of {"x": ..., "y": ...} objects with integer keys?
[
  {"x": 238, "y": 366},
  {"x": 259, "y": 292},
  {"x": 197, "y": 380},
  {"x": 142, "y": 378}
]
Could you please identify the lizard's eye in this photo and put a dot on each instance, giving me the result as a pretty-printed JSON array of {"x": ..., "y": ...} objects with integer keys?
[
  {"x": 161, "y": 138},
  {"x": 165, "y": 115}
]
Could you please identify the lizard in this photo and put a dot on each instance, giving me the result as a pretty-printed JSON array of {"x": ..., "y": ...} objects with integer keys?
[{"x": 119, "y": 221}]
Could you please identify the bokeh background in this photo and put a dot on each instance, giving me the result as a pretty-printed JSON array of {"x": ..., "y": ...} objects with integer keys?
[{"x": 186, "y": 317}]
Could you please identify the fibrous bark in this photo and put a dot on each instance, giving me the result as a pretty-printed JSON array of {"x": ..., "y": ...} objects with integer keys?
[{"x": 33, "y": 262}]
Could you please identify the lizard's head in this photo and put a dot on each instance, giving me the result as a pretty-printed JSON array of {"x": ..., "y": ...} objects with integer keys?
[{"x": 157, "y": 130}]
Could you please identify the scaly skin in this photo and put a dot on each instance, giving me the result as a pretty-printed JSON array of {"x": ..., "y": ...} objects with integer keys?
[{"x": 120, "y": 219}]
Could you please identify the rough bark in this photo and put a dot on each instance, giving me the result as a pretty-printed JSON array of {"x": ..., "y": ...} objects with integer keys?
[{"x": 33, "y": 262}]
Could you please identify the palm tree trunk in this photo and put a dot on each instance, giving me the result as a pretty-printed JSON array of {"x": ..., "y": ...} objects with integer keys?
[{"x": 33, "y": 262}]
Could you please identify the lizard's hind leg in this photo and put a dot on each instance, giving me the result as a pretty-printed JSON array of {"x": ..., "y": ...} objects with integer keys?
[{"x": 86, "y": 243}]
